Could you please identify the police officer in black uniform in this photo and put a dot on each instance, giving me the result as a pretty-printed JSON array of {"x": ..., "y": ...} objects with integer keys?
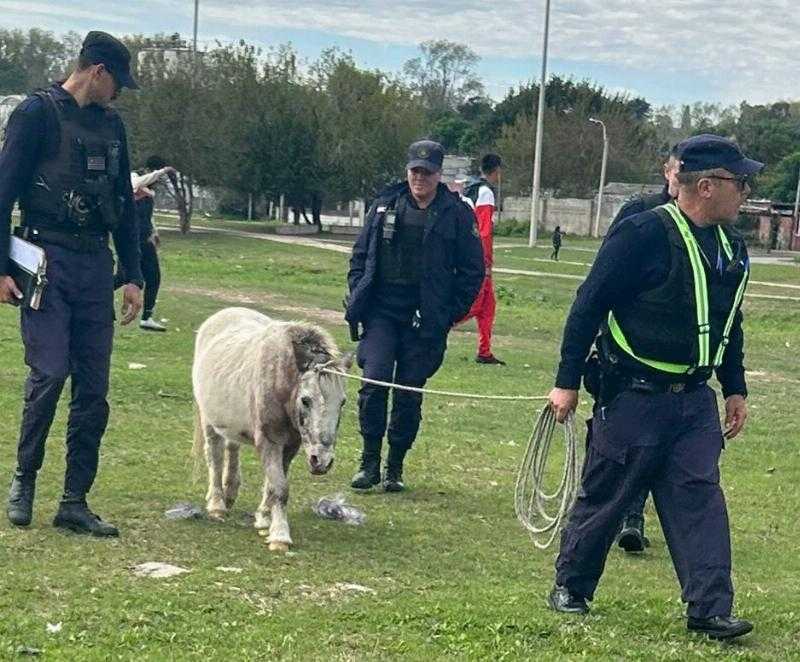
[
  {"x": 415, "y": 270},
  {"x": 65, "y": 159},
  {"x": 665, "y": 291},
  {"x": 631, "y": 537}
]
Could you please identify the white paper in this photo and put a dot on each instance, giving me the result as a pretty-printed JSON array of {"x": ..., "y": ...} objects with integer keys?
[{"x": 27, "y": 255}]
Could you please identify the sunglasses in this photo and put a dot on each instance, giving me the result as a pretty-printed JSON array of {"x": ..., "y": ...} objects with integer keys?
[{"x": 741, "y": 181}]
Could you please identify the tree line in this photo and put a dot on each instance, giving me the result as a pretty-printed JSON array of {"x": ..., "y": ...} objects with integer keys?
[{"x": 260, "y": 124}]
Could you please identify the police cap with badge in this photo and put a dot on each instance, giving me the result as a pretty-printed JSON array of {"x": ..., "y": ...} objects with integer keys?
[{"x": 425, "y": 154}]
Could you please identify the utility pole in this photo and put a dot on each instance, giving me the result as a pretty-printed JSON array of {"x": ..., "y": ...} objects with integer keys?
[
  {"x": 196, "y": 15},
  {"x": 797, "y": 208},
  {"x": 537, "y": 156},
  {"x": 596, "y": 229}
]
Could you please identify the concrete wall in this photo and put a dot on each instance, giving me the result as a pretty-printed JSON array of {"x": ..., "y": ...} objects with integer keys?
[
  {"x": 780, "y": 230},
  {"x": 574, "y": 215}
]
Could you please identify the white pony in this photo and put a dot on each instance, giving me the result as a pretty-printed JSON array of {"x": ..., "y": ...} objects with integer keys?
[{"x": 260, "y": 381}]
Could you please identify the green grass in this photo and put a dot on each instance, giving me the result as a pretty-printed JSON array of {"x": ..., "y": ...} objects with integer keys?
[{"x": 453, "y": 574}]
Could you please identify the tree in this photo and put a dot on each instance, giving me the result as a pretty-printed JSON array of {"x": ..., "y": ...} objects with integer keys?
[
  {"x": 366, "y": 122},
  {"x": 443, "y": 76},
  {"x": 33, "y": 59},
  {"x": 572, "y": 148},
  {"x": 780, "y": 182}
]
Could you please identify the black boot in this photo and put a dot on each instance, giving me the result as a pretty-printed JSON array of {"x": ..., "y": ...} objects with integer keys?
[
  {"x": 631, "y": 537},
  {"x": 20, "y": 498},
  {"x": 393, "y": 473},
  {"x": 369, "y": 472},
  {"x": 560, "y": 599},
  {"x": 720, "y": 627},
  {"x": 74, "y": 514}
]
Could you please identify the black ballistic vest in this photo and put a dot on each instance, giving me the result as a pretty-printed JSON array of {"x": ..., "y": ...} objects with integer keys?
[
  {"x": 401, "y": 254},
  {"x": 661, "y": 324},
  {"x": 75, "y": 186}
]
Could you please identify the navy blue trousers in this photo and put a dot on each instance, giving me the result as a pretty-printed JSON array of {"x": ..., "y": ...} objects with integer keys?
[
  {"x": 151, "y": 272},
  {"x": 69, "y": 336},
  {"x": 392, "y": 351},
  {"x": 669, "y": 443}
]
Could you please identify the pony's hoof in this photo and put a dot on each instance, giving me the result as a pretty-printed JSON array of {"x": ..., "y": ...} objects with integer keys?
[
  {"x": 279, "y": 547},
  {"x": 263, "y": 532},
  {"x": 216, "y": 515}
]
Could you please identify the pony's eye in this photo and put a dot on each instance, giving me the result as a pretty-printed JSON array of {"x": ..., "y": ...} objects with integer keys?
[{"x": 306, "y": 401}]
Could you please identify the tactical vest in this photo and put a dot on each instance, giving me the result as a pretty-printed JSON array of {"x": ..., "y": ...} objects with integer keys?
[
  {"x": 75, "y": 185},
  {"x": 401, "y": 252},
  {"x": 682, "y": 326}
]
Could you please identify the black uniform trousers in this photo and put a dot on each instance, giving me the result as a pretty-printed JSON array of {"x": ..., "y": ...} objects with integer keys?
[
  {"x": 669, "y": 443},
  {"x": 69, "y": 336},
  {"x": 393, "y": 351},
  {"x": 151, "y": 273}
]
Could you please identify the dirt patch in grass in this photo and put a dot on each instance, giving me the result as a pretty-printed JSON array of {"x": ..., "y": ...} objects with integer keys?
[{"x": 272, "y": 301}]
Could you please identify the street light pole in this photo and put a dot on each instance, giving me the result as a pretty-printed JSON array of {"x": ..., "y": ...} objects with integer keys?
[
  {"x": 537, "y": 157},
  {"x": 194, "y": 41},
  {"x": 797, "y": 208},
  {"x": 596, "y": 229}
]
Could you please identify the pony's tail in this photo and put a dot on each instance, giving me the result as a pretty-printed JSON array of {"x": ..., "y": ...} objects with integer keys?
[{"x": 198, "y": 447}]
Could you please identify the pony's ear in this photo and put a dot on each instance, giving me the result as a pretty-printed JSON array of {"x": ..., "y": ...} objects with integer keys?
[{"x": 346, "y": 362}]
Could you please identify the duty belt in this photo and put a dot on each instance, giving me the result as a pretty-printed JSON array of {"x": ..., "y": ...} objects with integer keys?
[
  {"x": 646, "y": 386},
  {"x": 84, "y": 242}
]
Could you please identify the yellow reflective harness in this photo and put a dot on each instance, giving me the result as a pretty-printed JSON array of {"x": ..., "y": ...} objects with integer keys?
[{"x": 701, "y": 304}]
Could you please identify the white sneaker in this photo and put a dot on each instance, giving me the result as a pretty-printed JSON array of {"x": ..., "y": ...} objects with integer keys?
[{"x": 151, "y": 325}]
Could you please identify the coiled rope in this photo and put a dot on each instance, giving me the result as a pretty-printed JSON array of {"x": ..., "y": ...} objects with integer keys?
[{"x": 532, "y": 504}]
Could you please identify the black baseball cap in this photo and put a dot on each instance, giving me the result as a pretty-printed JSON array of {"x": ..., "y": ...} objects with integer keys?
[
  {"x": 102, "y": 48},
  {"x": 425, "y": 154},
  {"x": 707, "y": 151}
]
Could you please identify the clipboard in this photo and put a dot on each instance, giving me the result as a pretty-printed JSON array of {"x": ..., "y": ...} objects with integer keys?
[{"x": 28, "y": 267}]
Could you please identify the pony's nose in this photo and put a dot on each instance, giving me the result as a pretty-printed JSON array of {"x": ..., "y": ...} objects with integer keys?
[{"x": 317, "y": 465}]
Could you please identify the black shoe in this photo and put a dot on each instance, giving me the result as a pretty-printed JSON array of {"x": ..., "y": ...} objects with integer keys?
[
  {"x": 489, "y": 360},
  {"x": 560, "y": 599},
  {"x": 76, "y": 516},
  {"x": 20, "y": 498},
  {"x": 719, "y": 627},
  {"x": 631, "y": 537},
  {"x": 369, "y": 474},
  {"x": 393, "y": 478}
]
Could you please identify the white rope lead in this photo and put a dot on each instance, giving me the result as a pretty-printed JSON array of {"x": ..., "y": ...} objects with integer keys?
[
  {"x": 428, "y": 391},
  {"x": 531, "y": 502}
]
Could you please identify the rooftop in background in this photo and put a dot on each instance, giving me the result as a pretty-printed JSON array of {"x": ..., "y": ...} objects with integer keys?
[
  {"x": 172, "y": 56},
  {"x": 455, "y": 167},
  {"x": 629, "y": 190}
]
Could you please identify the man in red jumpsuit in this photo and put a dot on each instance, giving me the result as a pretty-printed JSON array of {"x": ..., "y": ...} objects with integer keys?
[{"x": 480, "y": 193}]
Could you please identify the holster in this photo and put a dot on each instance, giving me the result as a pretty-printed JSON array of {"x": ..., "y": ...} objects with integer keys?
[
  {"x": 355, "y": 336},
  {"x": 601, "y": 378}
]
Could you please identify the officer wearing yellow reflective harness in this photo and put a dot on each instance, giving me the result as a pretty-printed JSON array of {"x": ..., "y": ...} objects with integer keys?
[{"x": 665, "y": 293}]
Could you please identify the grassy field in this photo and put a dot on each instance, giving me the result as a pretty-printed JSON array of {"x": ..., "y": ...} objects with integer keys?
[{"x": 444, "y": 570}]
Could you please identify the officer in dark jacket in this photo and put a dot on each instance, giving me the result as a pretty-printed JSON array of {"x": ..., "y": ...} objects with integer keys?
[
  {"x": 665, "y": 291},
  {"x": 642, "y": 203},
  {"x": 631, "y": 537},
  {"x": 416, "y": 269},
  {"x": 65, "y": 159}
]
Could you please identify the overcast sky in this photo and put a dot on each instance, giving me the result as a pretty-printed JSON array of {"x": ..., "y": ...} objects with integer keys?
[{"x": 670, "y": 51}]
